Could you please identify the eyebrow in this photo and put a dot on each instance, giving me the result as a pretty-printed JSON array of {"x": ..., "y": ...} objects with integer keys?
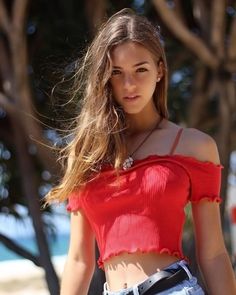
[{"x": 136, "y": 65}]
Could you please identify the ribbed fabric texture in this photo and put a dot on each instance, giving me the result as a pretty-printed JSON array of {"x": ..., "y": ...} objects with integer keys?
[{"x": 143, "y": 210}]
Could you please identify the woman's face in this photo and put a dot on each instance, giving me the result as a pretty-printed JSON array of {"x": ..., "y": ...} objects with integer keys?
[{"x": 134, "y": 76}]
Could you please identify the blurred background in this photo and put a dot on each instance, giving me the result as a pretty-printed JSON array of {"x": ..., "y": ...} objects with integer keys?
[{"x": 40, "y": 42}]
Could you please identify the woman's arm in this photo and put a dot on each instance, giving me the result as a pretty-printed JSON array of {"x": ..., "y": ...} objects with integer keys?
[
  {"x": 80, "y": 263},
  {"x": 211, "y": 253}
]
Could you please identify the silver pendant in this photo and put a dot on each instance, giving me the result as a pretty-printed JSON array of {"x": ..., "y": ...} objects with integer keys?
[{"x": 128, "y": 163}]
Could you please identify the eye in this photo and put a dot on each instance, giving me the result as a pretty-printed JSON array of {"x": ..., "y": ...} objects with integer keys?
[
  {"x": 142, "y": 70},
  {"x": 115, "y": 72}
]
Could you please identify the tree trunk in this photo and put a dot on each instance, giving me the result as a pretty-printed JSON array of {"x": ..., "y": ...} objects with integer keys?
[
  {"x": 29, "y": 188},
  {"x": 224, "y": 135},
  {"x": 95, "y": 11}
]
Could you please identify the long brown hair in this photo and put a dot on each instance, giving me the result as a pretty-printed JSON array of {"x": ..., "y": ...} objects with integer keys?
[{"x": 100, "y": 126}]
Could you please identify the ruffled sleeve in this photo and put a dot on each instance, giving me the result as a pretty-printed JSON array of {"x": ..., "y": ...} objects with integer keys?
[
  {"x": 205, "y": 181},
  {"x": 74, "y": 202}
]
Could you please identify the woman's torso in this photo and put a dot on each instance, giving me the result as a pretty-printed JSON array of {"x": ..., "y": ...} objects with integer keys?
[{"x": 126, "y": 269}]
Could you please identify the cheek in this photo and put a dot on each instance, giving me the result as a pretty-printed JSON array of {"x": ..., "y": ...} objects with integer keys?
[
  {"x": 146, "y": 78},
  {"x": 115, "y": 86},
  {"x": 148, "y": 83}
]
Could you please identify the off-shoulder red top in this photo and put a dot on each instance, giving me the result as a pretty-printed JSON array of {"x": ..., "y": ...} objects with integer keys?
[{"x": 143, "y": 210}]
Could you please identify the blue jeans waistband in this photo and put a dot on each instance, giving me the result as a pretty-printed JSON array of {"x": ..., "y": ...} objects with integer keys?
[{"x": 134, "y": 288}]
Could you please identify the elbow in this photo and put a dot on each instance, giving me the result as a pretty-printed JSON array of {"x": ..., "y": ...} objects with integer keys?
[
  {"x": 204, "y": 260},
  {"x": 87, "y": 266},
  {"x": 80, "y": 267},
  {"x": 208, "y": 253}
]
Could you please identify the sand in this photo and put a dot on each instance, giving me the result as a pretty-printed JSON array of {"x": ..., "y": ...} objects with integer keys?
[{"x": 22, "y": 277}]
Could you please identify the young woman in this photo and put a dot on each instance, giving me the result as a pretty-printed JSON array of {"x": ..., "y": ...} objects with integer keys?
[{"x": 130, "y": 173}]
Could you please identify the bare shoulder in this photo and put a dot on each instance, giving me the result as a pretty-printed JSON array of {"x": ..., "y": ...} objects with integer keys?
[
  {"x": 201, "y": 145},
  {"x": 194, "y": 143}
]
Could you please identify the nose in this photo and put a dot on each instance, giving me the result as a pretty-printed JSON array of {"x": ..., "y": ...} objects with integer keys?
[{"x": 129, "y": 82}]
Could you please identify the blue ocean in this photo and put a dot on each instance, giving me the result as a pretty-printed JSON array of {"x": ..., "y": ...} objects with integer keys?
[{"x": 57, "y": 246}]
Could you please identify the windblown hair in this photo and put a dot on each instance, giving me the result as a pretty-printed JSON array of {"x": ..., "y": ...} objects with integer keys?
[{"x": 100, "y": 126}]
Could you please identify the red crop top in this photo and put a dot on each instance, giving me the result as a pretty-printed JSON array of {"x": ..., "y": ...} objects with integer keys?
[{"x": 144, "y": 209}]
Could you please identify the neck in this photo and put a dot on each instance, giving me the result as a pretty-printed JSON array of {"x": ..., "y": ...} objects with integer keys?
[{"x": 139, "y": 125}]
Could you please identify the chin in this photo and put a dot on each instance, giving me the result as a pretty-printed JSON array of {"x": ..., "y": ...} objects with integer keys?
[
  {"x": 135, "y": 108},
  {"x": 132, "y": 112}
]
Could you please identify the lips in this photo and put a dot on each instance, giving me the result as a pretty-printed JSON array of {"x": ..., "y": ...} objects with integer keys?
[{"x": 131, "y": 97}]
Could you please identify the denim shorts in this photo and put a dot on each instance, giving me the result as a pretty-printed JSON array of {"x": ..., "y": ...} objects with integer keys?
[{"x": 186, "y": 287}]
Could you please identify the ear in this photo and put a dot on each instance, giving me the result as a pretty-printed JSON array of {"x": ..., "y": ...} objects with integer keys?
[{"x": 160, "y": 71}]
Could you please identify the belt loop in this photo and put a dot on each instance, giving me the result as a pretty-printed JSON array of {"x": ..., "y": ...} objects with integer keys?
[
  {"x": 135, "y": 289},
  {"x": 105, "y": 288},
  {"x": 183, "y": 265}
]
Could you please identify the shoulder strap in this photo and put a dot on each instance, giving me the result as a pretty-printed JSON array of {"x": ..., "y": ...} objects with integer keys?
[{"x": 176, "y": 141}]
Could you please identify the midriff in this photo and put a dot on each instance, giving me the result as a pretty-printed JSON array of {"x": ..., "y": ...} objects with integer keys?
[{"x": 125, "y": 270}]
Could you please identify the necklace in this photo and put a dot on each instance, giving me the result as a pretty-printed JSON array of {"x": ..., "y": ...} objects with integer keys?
[{"x": 129, "y": 160}]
